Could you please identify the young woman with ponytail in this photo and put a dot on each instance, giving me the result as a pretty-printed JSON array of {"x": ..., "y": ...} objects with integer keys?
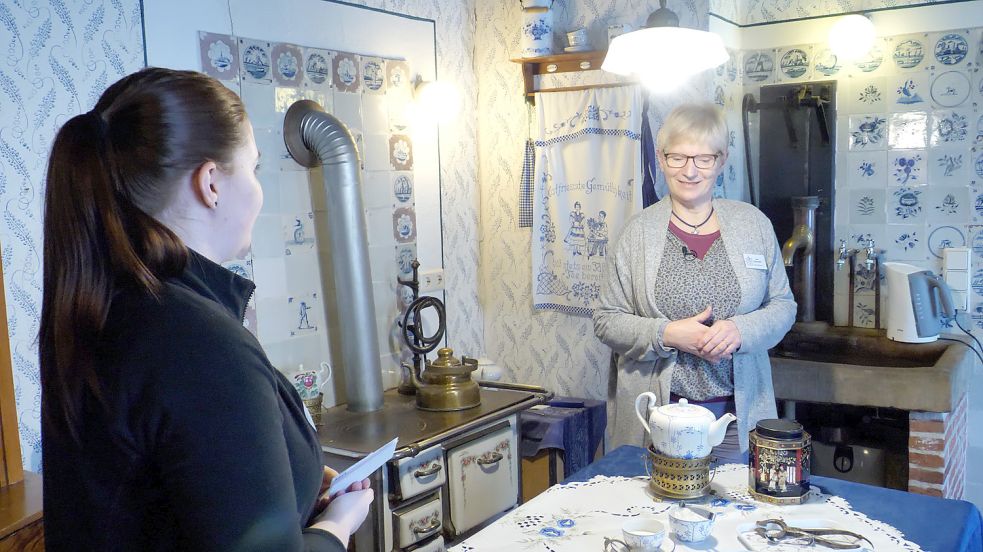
[{"x": 164, "y": 426}]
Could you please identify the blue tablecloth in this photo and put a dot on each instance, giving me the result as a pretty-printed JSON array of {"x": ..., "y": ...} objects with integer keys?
[
  {"x": 575, "y": 426},
  {"x": 935, "y": 524}
]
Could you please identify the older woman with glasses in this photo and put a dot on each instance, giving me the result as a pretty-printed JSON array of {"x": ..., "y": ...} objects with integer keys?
[{"x": 696, "y": 292}]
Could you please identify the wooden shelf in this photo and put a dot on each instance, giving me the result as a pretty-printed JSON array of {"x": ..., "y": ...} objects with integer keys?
[{"x": 561, "y": 63}]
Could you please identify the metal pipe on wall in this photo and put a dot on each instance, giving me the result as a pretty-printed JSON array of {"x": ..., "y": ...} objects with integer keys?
[{"x": 314, "y": 137}]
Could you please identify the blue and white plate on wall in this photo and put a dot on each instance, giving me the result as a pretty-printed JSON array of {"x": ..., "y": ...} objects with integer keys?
[
  {"x": 941, "y": 237},
  {"x": 950, "y": 89},
  {"x": 403, "y": 187},
  {"x": 345, "y": 69},
  {"x": 373, "y": 75},
  {"x": 872, "y": 61},
  {"x": 219, "y": 55},
  {"x": 317, "y": 68},
  {"x": 794, "y": 63},
  {"x": 909, "y": 52},
  {"x": 254, "y": 56},
  {"x": 826, "y": 63},
  {"x": 951, "y": 48},
  {"x": 404, "y": 225},
  {"x": 759, "y": 66},
  {"x": 288, "y": 64}
]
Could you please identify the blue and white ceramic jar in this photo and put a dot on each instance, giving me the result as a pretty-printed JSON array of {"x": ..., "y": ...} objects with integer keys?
[{"x": 537, "y": 28}]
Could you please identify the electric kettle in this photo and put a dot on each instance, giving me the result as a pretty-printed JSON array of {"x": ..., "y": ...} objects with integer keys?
[{"x": 916, "y": 300}]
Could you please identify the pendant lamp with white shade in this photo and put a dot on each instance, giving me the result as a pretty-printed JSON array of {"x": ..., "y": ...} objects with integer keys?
[{"x": 662, "y": 54}]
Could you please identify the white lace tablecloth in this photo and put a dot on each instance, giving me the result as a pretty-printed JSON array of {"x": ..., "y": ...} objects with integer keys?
[{"x": 577, "y": 516}]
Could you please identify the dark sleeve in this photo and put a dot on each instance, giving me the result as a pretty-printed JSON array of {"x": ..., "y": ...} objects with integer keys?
[{"x": 222, "y": 453}]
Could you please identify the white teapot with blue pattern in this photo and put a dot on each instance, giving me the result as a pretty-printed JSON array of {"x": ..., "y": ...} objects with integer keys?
[{"x": 682, "y": 430}]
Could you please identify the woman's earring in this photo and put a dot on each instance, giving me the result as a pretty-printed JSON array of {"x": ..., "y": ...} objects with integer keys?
[{"x": 216, "y": 204}]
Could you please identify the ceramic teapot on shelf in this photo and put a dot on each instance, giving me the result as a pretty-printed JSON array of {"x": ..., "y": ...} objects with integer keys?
[{"x": 682, "y": 430}]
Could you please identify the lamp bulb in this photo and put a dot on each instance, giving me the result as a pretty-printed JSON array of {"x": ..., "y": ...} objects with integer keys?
[{"x": 851, "y": 37}]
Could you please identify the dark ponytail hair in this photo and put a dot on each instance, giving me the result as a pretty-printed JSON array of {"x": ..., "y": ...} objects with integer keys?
[{"x": 112, "y": 170}]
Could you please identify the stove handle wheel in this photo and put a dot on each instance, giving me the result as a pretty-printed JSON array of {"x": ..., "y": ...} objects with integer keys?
[{"x": 413, "y": 322}]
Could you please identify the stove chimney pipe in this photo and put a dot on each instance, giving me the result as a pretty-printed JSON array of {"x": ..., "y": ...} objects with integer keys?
[{"x": 314, "y": 137}]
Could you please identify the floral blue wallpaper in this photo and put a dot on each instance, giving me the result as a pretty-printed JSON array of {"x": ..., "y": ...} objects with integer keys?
[
  {"x": 746, "y": 12},
  {"x": 57, "y": 58}
]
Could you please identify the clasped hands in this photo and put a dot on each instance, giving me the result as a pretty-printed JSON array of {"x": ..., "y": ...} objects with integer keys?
[{"x": 712, "y": 343}]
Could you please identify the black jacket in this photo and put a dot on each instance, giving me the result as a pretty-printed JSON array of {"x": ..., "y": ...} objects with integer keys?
[{"x": 204, "y": 445}]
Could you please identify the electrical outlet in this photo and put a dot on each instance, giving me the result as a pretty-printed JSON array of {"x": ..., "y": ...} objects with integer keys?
[{"x": 432, "y": 280}]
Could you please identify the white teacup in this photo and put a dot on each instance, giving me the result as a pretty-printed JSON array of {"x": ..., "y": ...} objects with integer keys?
[{"x": 643, "y": 534}]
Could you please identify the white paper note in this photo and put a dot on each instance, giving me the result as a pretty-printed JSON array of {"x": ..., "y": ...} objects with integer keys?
[{"x": 363, "y": 468}]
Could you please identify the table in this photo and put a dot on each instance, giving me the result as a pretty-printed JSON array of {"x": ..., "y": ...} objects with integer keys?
[{"x": 935, "y": 524}]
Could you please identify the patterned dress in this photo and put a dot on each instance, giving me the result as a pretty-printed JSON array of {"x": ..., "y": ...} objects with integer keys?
[{"x": 686, "y": 285}]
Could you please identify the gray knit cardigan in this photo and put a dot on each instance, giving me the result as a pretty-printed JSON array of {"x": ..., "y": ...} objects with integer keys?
[{"x": 629, "y": 322}]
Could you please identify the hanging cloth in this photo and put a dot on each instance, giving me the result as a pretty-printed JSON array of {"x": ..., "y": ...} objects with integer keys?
[
  {"x": 649, "y": 163},
  {"x": 526, "y": 185},
  {"x": 588, "y": 166}
]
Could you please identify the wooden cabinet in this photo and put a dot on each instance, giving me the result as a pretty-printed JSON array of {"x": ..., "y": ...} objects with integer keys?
[{"x": 20, "y": 491}]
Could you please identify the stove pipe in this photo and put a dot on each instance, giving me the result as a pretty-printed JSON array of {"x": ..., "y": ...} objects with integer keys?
[{"x": 314, "y": 137}]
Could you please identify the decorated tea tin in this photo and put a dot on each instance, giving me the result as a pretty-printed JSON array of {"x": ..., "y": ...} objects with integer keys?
[{"x": 779, "y": 461}]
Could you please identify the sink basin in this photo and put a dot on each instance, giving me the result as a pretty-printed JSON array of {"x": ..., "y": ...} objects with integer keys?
[
  {"x": 817, "y": 362},
  {"x": 857, "y": 346}
]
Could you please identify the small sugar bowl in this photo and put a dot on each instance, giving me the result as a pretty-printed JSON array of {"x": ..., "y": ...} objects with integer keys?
[{"x": 691, "y": 524}]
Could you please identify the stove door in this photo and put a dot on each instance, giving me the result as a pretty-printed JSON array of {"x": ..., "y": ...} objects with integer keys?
[{"x": 483, "y": 478}]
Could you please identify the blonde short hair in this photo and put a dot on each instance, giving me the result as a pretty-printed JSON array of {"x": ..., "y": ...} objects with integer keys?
[{"x": 696, "y": 123}]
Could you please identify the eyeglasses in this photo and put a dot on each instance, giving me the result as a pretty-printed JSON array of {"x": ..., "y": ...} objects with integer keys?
[{"x": 702, "y": 161}]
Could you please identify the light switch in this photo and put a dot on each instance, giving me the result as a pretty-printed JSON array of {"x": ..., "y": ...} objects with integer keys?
[{"x": 955, "y": 258}]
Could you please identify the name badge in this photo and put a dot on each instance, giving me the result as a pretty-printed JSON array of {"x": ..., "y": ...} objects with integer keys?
[{"x": 756, "y": 262}]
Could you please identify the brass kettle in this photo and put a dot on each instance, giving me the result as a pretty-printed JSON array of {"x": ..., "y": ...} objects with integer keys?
[{"x": 446, "y": 383}]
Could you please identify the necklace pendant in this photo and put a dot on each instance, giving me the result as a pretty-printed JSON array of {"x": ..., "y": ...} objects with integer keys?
[{"x": 695, "y": 231}]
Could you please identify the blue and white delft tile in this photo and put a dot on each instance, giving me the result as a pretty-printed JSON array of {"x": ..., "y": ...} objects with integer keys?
[
  {"x": 951, "y": 127},
  {"x": 298, "y": 234},
  {"x": 978, "y": 130},
  {"x": 909, "y": 52},
  {"x": 909, "y": 91},
  {"x": 286, "y": 96},
  {"x": 950, "y": 89},
  {"x": 978, "y": 164},
  {"x": 398, "y": 78},
  {"x": 219, "y": 55},
  {"x": 907, "y": 168},
  {"x": 794, "y": 63},
  {"x": 948, "y": 166},
  {"x": 977, "y": 206},
  {"x": 948, "y": 204},
  {"x": 255, "y": 61},
  {"x": 404, "y": 224},
  {"x": 873, "y": 62},
  {"x": 294, "y": 192},
  {"x": 825, "y": 63},
  {"x": 975, "y": 234},
  {"x": 856, "y": 235},
  {"x": 758, "y": 67},
  {"x": 865, "y": 169},
  {"x": 978, "y": 87},
  {"x": 867, "y": 132},
  {"x": 907, "y": 130},
  {"x": 402, "y": 188},
  {"x": 950, "y": 48},
  {"x": 942, "y": 236},
  {"x": 906, "y": 206},
  {"x": 306, "y": 313},
  {"x": 373, "y": 75},
  {"x": 401, "y": 152},
  {"x": 303, "y": 271},
  {"x": 863, "y": 311},
  {"x": 345, "y": 72},
  {"x": 867, "y": 206},
  {"x": 267, "y": 236},
  {"x": 865, "y": 95},
  {"x": 317, "y": 68},
  {"x": 405, "y": 255},
  {"x": 241, "y": 267},
  {"x": 906, "y": 242},
  {"x": 288, "y": 64}
]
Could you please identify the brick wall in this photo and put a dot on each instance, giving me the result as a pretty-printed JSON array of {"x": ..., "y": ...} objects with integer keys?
[{"x": 937, "y": 452}]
